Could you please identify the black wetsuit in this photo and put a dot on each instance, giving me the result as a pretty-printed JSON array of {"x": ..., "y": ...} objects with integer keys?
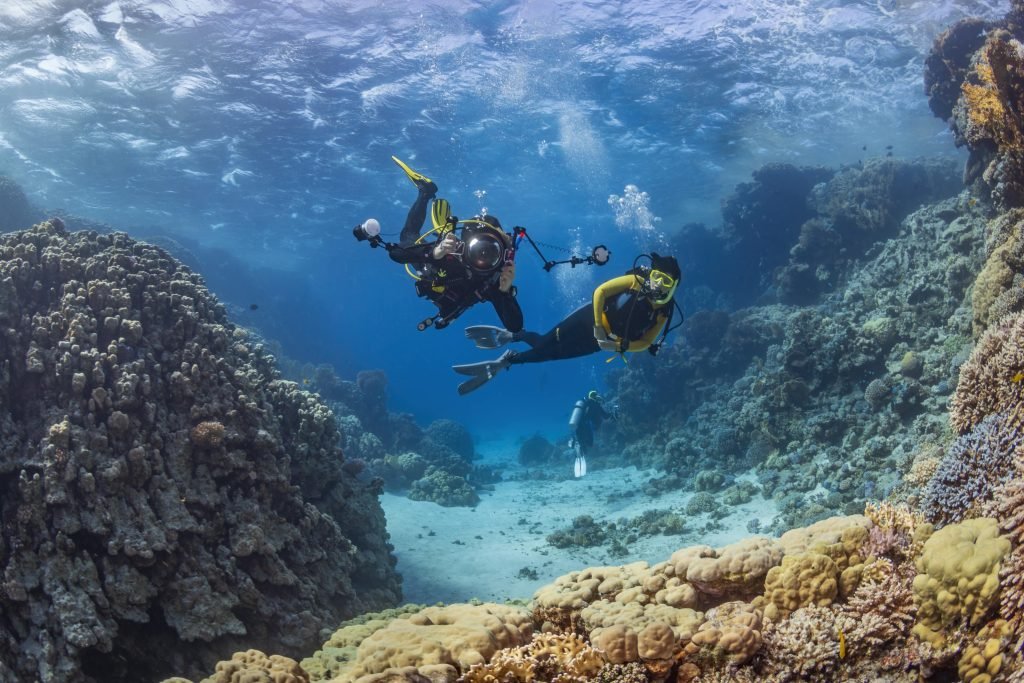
[
  {"x": 574, "y": 336},
  {"x": 460, "y": 287},
  {"x": 593, "y": 415}
]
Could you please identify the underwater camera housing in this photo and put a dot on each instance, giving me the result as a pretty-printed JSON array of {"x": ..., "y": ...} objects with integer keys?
[{"x": 368, "y": 230}]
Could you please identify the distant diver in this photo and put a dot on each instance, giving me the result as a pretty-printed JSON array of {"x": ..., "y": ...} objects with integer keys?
[
  {"x": 587, "y": 415},
  {"x": 626, "y": 315},
  {"x": 454, "y": 272}
]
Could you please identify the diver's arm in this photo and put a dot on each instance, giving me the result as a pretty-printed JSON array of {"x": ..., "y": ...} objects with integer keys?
[
  {"x": 416, "y": 254},
  {"x": 611, "y": 288},
  {"x": 508, "y": 310},
  {"x": 649, "y": 336}
]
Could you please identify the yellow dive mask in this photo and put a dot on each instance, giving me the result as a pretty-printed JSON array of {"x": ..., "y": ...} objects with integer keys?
[{"x": 662, "y": 286}]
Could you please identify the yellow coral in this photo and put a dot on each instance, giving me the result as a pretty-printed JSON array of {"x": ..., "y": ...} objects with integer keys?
[
  {"x": 460, "y": 635},
  {"x": 958, "y": 577},
  {"x": 984, "y": 107},
  {"x": 637, "y": 616},
  {"x": 996, "y": 276},
  {"x": 731, "y": 635},
  {"x": 736, "y": 570},
  {"x": 558, "y": 605},
  {"x": 657, "y": 641},
  {"x": 805, "y": 579},
  {"x": 252, "y": 666},
  {"x": 826, "y": 532},
  {"x": 618, "y": 643},
  {"x": 983, "y": 660}
]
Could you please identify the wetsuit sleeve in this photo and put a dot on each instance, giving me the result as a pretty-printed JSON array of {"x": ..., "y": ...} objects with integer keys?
[
  {"x": 608, "y": 289},
  {"x": 508, "y": 310},
  {"x": 649, "y": 336},
  {"x": 417, "y": 253}
]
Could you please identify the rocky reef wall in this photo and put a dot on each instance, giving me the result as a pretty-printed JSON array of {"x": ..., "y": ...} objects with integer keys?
[{"x": 164, "y": 495}]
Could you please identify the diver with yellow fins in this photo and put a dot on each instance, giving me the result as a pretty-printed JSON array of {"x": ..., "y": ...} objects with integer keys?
[
  {"x": 626, "y": 315},
  {"x": 453, "y": 271}
]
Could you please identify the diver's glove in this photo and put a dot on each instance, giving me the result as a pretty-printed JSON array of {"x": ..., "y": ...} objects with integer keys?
[
  {"x": 604, "y": 341},
  {"x": 508, "y": 274},
  {"x": 448, "y": 245}
]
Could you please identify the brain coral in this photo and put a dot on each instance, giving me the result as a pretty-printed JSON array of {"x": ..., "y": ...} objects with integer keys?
[
  {"x": 992, "y": 380},
  {"x": 159, "y": 485}
]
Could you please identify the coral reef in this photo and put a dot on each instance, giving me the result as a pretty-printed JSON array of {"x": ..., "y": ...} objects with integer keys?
[
  {"x": 991, "y": 380},
  {"x": 830, "y": 405},
  {"x": 958, "y": 577},
  {"x": 975, "y": 466},
  {"x": 162, "y": 490},
  {"x": 761, "y": 219},
  {"x": 432, "y": 464},
  {"x": 16, "y": 212}
]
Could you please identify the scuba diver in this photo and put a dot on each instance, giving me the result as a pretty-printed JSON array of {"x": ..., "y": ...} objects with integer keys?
[
  {"x": 626, "y": 315},
  {"x": 453, "y": 272},
  {"x": 587, "y": 415}
]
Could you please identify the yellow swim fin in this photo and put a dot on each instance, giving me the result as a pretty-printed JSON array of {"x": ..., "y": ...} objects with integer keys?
[
  {"x": 440, "y": 214},
  {"x": 418, "y": 179}
]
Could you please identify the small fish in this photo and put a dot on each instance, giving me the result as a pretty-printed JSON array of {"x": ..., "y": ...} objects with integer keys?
[
  {"x": 253, "y": 307},
  {"x": 842, "y": 644},
  {"x": 1017, "y": 378},
  {"x": 888, "y": 154},
  {"x": 972, "y": 201},
  {"x": 864, "y": 148},
  {"x": 888, "y": 146},
  {"x": 306, "y": 381}
]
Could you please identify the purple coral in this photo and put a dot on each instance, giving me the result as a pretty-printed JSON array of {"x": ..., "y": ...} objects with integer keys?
[{"x": 975, "y": 464}]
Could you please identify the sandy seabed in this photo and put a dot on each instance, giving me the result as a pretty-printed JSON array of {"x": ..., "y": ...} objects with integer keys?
[{"x": 454, "y": 554}]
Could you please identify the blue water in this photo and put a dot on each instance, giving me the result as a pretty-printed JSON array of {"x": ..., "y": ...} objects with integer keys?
[{"x": 258, "y": 133}]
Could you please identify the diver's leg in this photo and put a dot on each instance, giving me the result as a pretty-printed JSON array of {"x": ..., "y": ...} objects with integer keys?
[
  {"x": 417, "y": 215},
  {"x": 571, "y": 338},
  {"x": 585, "y": 435}
]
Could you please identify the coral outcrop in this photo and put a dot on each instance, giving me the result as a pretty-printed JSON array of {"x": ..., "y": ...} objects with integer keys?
[
  {"x": 165, "y": 496},
  {"x": 432, "y": 464}
]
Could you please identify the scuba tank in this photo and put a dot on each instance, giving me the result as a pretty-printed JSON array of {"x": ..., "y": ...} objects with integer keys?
[
  {"x": 577, "y": 413},
  {"x": 580, "y": 465}
]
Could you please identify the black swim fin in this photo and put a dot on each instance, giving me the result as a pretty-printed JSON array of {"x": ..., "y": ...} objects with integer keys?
[{"x": 489, "y": 336}]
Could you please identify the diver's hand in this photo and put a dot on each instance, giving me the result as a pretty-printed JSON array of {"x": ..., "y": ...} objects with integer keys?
[
  {"x": 508, "y": 274},
  {"x": 446, "y": 246}
]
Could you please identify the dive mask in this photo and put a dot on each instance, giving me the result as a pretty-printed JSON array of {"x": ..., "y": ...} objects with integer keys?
[{"x": 662, "y": 286}]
